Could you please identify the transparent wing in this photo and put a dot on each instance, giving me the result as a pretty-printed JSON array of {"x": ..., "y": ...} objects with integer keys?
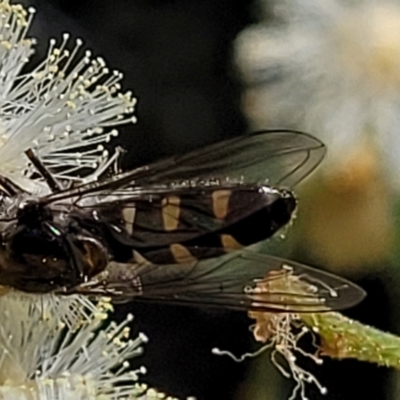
[
  {"x": 241, "y": 280},
  {"x": 279, "y": 158}
]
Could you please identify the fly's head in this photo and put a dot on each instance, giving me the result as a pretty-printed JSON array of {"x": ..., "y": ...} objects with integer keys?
[{"x": 43, "y": 250}]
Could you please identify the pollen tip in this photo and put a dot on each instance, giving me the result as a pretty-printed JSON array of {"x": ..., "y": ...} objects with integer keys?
[{"x": 143, "y": 337}]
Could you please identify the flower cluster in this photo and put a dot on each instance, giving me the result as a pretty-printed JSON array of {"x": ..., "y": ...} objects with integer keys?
[
  {"x": 53, "y": 348},
  {"x": 65, "y": 109}
]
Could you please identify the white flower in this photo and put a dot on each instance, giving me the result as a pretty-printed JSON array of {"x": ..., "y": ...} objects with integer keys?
[
  {"x": 65, "y": 109},
  {"x": 43, "y": 358},
  {"x": 329, "y": 67}
]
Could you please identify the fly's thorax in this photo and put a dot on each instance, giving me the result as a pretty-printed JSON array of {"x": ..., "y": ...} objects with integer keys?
[
  {"x": 32, "y": 261},
  {"x": 44, "y": 250}
]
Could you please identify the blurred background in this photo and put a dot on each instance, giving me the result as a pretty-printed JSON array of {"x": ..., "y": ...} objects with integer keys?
[{"x": 204, "y": 70}]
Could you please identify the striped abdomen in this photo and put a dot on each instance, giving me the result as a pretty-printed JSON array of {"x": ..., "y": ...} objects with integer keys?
[{"x": 196, "y": 224}]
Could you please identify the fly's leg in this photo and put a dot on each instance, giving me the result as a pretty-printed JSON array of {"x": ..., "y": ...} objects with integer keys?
[{"x": 43, "y": 171}]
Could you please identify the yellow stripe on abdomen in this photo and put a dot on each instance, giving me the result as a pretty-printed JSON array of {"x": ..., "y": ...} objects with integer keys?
[
  {"x": 170, "y": 212},
  {"x": 129, "y": 214},
  {"x": 220, "y": 203},
  {"x": 181, "y": 254},
  {"x": 230, "y": 243}
]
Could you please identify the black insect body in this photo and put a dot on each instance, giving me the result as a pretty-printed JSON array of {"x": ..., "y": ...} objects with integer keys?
[
  {"x": 173, "y": 231},
  {"x": 43, "y": 249},
  {"x": 197, "y": 223}
]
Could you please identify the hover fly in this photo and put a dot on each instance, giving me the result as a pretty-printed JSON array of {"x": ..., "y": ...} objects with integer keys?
[{"x": 174, "y": 231}]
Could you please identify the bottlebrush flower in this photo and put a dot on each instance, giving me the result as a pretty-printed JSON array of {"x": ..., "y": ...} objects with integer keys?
[
  {"x": 63, "y": 348},
  {"x": 65, "y": 109}
]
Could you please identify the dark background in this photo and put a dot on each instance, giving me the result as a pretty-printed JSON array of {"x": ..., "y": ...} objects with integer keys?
[{"x": 176, "y": 58}]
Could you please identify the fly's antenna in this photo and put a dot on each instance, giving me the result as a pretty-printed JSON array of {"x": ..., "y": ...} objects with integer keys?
[{"x": 43, "y": 171}]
